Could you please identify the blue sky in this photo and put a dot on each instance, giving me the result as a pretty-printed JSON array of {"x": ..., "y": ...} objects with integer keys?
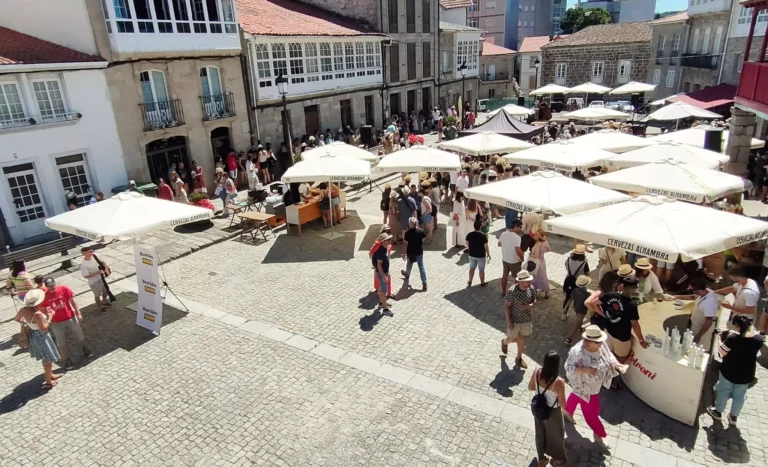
[{"x": 661, "y": 5}]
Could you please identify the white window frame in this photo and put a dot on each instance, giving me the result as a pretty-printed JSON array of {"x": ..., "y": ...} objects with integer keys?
[
  {"x": 624, "y": 78},
  {"x": 561, "y": 73},
  {"x": 64, "y": 104},
  {"x": 126, "y": 22},
  {"x": 263, "y": 65},
  {"x": 490, "y": 6},
  {"x": 705, "y": 42},
  {"x": 490, "y": 23},
  {"x": 23, "y": 120},
  {"x": 739, "y": 62},
  {"x": 695, "y": 42},
  {"x": 676, "y": 42},
  {"x": 670, "y": 79},
  {"x": 662, "y": 43},
  {"x": 657, "y": 76},
  {"x": 598, "y": 65},
  {"x": 152, "y": 85},
  {"x": 207, "y": 69},
  {"x": 82, "y": 198},
  {"x": 716, "y": 44},
  {"x": 467, "y": 51},
  {"x": 473, "y": 22},
  {"x": 296, "y": 68}
]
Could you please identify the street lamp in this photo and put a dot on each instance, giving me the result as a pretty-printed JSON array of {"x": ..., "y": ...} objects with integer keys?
[
  {"x": 463, "y": 70},
  {"x": 536, "y": 64},
  {"x": 282, "y": 88}
]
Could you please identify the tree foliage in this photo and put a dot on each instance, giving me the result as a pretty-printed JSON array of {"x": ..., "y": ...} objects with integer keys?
[{"x": 576, "y": 19}]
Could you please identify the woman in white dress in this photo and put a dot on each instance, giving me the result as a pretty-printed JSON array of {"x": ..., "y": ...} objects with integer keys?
[
  {"x": 469, "y": 218},
  {"x": 459, "y": 222}
]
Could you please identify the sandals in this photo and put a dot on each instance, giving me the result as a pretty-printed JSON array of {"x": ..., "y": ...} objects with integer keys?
[
  {"x": 543, "y": 462},
  {"x": 49, "y": 386}
]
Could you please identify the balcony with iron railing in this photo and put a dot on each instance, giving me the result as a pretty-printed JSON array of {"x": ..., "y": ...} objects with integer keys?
[
  {"x": 161, "y": 115},
  {"x": 497, "y": 76},
  {"x": 50, "y": 118},
  {"x": 709, "y": 62},
  {"x": 218, "y": 106}
]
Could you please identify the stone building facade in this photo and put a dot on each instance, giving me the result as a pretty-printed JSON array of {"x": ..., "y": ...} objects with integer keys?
[
  {"x": 609, "y": 55},
  {"x": 497, "y": 72},
  {"x": 664, "y": 71},
  {"x": 703, "y": 56},
  {"x": 458, "y": 44}
]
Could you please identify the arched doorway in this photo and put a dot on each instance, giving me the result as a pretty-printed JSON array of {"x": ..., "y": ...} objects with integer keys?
[
  {"x": 162, "y": 153},
  {"x": 221, "y": 143}
]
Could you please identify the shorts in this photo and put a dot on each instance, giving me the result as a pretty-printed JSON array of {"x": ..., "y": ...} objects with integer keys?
[
  {"x": 60, "y": 330},
  {"x": 521, "y": 330},
  {"x": 97, "y": 288},
  {"x": 426, "y": 219},
  {"x": 527, "y": 242},
  {"x": 383, "y": 284},
  {"x": 619, "y": 348},
  {"x": 335, "y": 202},
  {"x": 452, "y": 186},
  {"x": 511, "y": 268},
  {"x": 478, "y": 263},
  {"x": 665, "y": 265}
]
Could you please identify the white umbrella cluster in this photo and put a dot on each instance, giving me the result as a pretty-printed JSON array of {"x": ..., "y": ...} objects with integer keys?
[
  {"x": 485, "y": 144},
  {"x": 513, "y": 111},
  {"x": 126, "y": 215},
  {"x": 545, "y": 190},
  {"x": 613, "y": 141},
  {"x": 695, "y": 137},
  {"x": 419, "y": 159},
  {"x": 339, "y": 149},
  {"x": 549, "y": 89},
  {"x": 680, "y": 110},
  {"x": 668, "y": 150},
  {"x": 633, "y": 87},
  {"x": 661, "y": 228},
  {"x": 564, "y": 155},
  {"x": 595, "y": 114}
]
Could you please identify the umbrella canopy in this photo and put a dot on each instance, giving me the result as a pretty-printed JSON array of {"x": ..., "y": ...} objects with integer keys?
[
  {"x": 695, "y": 137},
  {"x": 674, "y": 179},
  {"x": 588, "y": 88},
  {"x": 503, "y": 124},
  {"x": 485, "y": 144},
  {"x": 328, "y": 167},
  {"x": 545, "y": 190},
  {"x": 678, "y": 110},
  {"x": 679, "y": 152},
  {"x": 596, "y": 113},
  {"x": 560, "y": 155},
  {"x": 633, "y": 87},
  {"x": 661, "y": 228},
  {"x": 514, "y": 110},
  {"x": 339, "y": 149},
  {"x": 613, "y": 141},
  {"x": 126, "y": 215},
  {"x": 549, "y": 89},
  {"x": 419, "y": 159}
]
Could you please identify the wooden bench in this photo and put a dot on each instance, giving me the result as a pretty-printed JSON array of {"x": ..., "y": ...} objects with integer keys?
[{"x": 58, "y": 246}]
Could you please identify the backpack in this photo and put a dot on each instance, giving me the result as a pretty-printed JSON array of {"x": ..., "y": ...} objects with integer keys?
[
  {"x": 570, "y": 279},
  {"x": 539, "y": 406}
]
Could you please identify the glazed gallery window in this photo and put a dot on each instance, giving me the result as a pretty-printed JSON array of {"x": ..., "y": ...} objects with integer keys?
[
  {"x": 49, "y": 99},
  {"x": 171, "y": 16},
  {"x": 262, "y": 65},
  {"x": 467, "y": 52},
  {"x": 11, "y": 109}
]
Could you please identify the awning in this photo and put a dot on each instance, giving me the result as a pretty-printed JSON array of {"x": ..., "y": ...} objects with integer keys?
[{"x": 708, "y": 98}]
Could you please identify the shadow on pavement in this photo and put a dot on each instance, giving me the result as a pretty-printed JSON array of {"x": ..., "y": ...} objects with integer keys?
[
  {"x": 23, "y": 393},
  {"x": 311, "y": 247},
  {"x": 506, "y": 379},
  {"x": 368, "y": 322}
]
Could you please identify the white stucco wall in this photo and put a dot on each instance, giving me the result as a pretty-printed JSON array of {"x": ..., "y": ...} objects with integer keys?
[
  {"x": 61, "y": 22},
  {"x": 453, "y": 15},
  {"x": 526, "y": 72},
  {"x": 94, "y": 135}
]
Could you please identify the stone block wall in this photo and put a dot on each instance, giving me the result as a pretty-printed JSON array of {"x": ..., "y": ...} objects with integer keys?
[
  {"x": 742, "y": 129},
  {"x": 579, "y": 60},
  {"x": 366, "y": 11},
  {"x": 733, "y": 55}
]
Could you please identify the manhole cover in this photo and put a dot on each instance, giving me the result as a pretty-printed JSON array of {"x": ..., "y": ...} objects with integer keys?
[{"x": 213, "y": 274}]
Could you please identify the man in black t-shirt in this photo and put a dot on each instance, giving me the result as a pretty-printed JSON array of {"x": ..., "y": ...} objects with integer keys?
[
  {"x": 414, "y": 251},
  {"x": 621, "y": 318},
  {"x": 380, "y": 261},
  {"x": 477, "y": 245}
]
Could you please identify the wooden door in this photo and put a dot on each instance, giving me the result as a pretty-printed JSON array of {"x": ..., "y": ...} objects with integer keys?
[{"x": 311, "y": 119}]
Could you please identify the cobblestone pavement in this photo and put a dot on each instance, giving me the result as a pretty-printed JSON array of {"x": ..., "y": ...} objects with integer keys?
[{"x": 283, "y": 360}]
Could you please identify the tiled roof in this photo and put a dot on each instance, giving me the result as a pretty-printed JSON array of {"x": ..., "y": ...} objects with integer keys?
[
  {"x": 445, "y": 26},
  {"x": 621, "y": 33},
  {"x": 490, "y": 49},
  {"x": 676, "y": 18},
  {"x": 448, "y": 4},
  {"x": 20, "y": 49},
  {"x": 535, "y": 43},
  {"x": 708, "y": 98},
  {"x": 291, "y": 18}
]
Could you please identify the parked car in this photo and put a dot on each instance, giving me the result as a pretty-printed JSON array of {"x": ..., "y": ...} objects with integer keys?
[
  {"x": 481, "y": 105},
  {"x": 574, "y": 103},
  {"x": 613, "y": 105},
  {"x": 625, "y": 106},
  {"x": 597, "y": 104}
]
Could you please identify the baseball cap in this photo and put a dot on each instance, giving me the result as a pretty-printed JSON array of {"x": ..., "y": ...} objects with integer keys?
[{"x": 49, "y": 281}]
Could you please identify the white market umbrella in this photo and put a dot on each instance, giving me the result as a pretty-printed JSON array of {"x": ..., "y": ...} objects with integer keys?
[
  {"x": 661, "y": 228},
  {"x": 339, "y": 149},
  {"x": 667, "y": 150},
  {"x": 686, "y": 182},
  {"x": 126, "y": 215},
  {"x": 545, "y": 190},
  {"x": 331, "y": 168},
  {"x": 485, "y": 144},
  {"x": 633, "y": 87},
  {"x": 588, "y": 88},
  {"x": 549, "y": 89},
  {"x": 562, "y": 155},
  {"x": 679, "y": 110},
  {"x": 419, "y": 159},
  {"x": 596, "y": 114},
  {"x": 695, "y": 137},
  {"x": 613, "y": 141},
  {"x": 513, "y": 111}
]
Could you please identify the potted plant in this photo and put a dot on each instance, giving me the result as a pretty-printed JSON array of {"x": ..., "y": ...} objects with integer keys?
[{"x": 201, "y": 200}]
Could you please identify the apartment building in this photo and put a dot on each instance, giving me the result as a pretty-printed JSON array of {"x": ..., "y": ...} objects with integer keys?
[
  {"x": 623, "y": 11},
  {"x": 496, "y": 18},
  {"x": 531, "y": 62},
  {"x": 534, "y": 19},
  {"x": 459, "y": 65},
  {"x": 497, "y": 72},
  {"x": 669, "y": 38},
  {"x": 558, "y": 11},
  {"x": 59, "y": 142},
  {"x": 705, "y": 45}
]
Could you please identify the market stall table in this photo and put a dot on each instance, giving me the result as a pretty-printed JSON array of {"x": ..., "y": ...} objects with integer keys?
[
  {"x": 302, "y": 213},
  {"x": 256, "y": 221},
  {"x": 667, "y": 384}
]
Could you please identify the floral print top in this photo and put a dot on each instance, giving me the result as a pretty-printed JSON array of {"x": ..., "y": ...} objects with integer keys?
[{"x": 584, "y": 385}]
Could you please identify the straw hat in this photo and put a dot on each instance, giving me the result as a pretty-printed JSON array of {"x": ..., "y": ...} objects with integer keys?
[
  {"x": 384, "y": 237},
  {"x": 34, "y": 297},
  {"x": 423, "y": 175},
  {"x": 387, "y": 186},
  {"x": 625, "y": 270},
  {"x": 425, "y": 184},
  {"x": 594, "y": 334},
  {"x": 523, "y": 276},
  {"x": 432, "y": 180},
  {"x": 385, "y": 228},
  {"x": 643, "y": 263},
  {"x": 219, "y": 170},
  {"x": 580, "y": 249},
  {"x": 583, "y": 280}
]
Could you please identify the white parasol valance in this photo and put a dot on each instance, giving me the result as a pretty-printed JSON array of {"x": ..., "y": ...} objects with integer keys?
[
  {"x": 485, "y": 144},
  {"x": 340, "y": 149},
  {"x": 560, "y": 155},
  {"x": 633, "y": 87},
  {"x": 549, "y": 89},
  {"x": 613, "y": 141},
  {"x": 419, "y": 159},
  {"x": 675, "y": 151}
]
